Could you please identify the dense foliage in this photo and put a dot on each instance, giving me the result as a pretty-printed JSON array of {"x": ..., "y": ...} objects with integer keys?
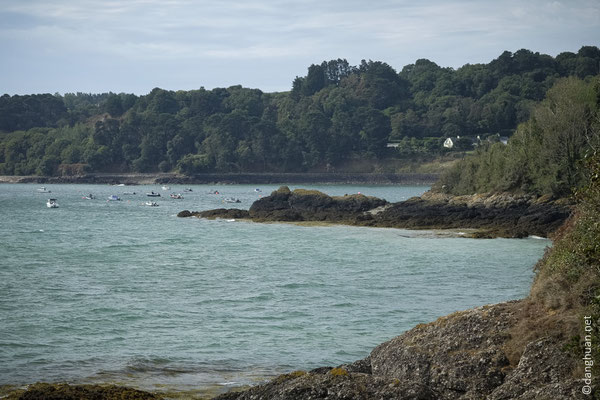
[
  {"x": 336, "y": 113},
  {"x": 545, "y": 154}
]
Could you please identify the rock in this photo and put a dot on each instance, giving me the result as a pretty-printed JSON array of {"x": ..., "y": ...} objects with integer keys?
[
  {"x": 63, "y": 391},
  {"x": 230, "y": 213},
  {"x": 311, "y": 205},
  {"x": 184, "y": 214},
  {"x": 494, "y": 215},
  {"x": 491, "y": 215},
  {"x": 349, "y": 386},
  {"x": 543, "y": 367},
  {"x": 457, "y": 356}
]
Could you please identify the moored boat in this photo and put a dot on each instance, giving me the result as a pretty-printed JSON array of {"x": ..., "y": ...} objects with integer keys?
[
  {"x": 176, "y": 196},
  {"x": 44, "y": 190},
  {"x": 151, "y": 204},
  {"x": 153, "y": 194},
  {"x": 51, "y": 203},
  {"x": 114, "y": 198}
]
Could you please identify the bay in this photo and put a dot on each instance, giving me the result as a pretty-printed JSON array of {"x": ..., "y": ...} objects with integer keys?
[{"x": 99, "y": 291}]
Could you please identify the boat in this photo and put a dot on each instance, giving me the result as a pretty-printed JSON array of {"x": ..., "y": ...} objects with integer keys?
[
  {"x": 129, "y": 193},
  {"x": 89, "y": 197},
  {"x": 166, "y": 188},
  {"x": 151, "y": 204},
  {"x": 257, "y": 190},
  {"x": 44, "y": 190},
  {"x": 51, "y": 203},
  {"x": 231, "y": 200},
  {"x": 176, "y": 196},
  {"x": 153, "y": 194},
  {"x": 114, "y": 198},
  {"x": 188, "y": 190}
]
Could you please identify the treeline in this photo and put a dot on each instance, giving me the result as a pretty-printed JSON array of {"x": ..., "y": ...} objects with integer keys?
[
  {"x": 334, "y": 114},
  {"x": 546, "y": 155}
]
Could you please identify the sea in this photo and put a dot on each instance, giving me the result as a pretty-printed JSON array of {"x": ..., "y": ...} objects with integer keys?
[{"x": 99, "y": 291}]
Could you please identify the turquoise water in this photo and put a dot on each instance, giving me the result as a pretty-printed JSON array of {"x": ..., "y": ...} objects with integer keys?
[{"x": 99, "y": 291}]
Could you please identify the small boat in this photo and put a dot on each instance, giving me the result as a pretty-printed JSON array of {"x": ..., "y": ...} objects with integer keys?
[
  {"x": 44, "y": 190},
  {"x": 151, "y": 204},
  {"x": 188, "y": 190},
  {"x": 153, "y": 194},
  {"x": 51, "y": 203},
  {"x": 114, "y": 198},
  {"x": 166, "y": 188},
  {"x": 231, "y": 200},
  {"x": 257, "y": 190},
  {"x": 89, "y": 197},
  {"x": 177, "y": 196},
  {"x": 128, "y": 193}
]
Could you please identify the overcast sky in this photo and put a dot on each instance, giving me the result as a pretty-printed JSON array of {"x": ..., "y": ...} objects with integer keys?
[{"x": 135, "y": 45}]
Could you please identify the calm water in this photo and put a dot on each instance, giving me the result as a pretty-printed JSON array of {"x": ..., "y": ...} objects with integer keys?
[{"x": 99, "y": 291}]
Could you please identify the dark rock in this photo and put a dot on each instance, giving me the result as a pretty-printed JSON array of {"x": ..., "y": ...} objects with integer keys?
[
  {"x": 349, "y": 386},
  {"x": 458, "y": 356},
  {"x": 491, "y": 215},
  {"x": 185, "y": 214},
  {"x": 361, "y": 366},
  {"x": 311, "y": 205},
  {"x": 226, "y": 213},
  {"x": 494, "y": 215},
  {"x": 63, "y": 391}
]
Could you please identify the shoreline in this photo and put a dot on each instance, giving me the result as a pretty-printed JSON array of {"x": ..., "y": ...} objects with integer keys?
[
  {"x": 230, "y": 179},
  {"x": 478, "y": 216}
]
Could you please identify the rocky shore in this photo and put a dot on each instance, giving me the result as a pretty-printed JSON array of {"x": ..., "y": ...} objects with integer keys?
[
  {"x": 527, "y": 349},
  {"x": 491, "y": 215},
  {"x": 465, "y": 355}
]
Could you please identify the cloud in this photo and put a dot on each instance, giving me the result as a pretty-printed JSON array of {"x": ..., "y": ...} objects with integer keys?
[{"x": 289, "y": 34}]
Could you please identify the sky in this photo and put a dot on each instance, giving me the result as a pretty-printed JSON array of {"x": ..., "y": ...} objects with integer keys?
[{"x": 133, "y": 46}]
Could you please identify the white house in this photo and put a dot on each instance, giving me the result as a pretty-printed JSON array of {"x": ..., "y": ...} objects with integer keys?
[{"x": 449, "y": 143}]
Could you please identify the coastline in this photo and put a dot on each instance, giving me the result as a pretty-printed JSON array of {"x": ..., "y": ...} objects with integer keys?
[
  {"x": 239, "y": 178},
  {"x": 478, "y": 216}
]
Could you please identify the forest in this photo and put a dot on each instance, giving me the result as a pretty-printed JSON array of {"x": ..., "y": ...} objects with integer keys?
[
  {"x": 548, "y": 154},
  {"x": 335, "y": 115}
]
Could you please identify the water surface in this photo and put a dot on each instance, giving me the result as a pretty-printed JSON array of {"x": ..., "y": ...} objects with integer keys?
[{"x": 99, "y": 291}]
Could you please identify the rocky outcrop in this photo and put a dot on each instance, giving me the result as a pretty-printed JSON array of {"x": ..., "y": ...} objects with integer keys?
[
  {"x": 491, "y": 215},
  {"x": 460, "y": 356},
  {"x": 311, "y": 205}
]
